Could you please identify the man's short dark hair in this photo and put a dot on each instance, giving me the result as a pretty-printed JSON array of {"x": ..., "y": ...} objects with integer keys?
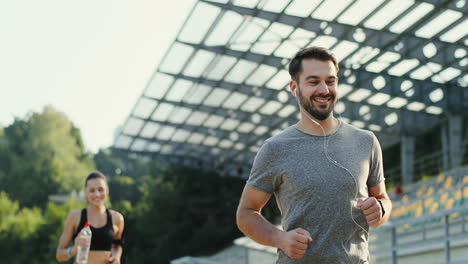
[
  {"x": 95, "y": 175},
  {"x": 318, "y": 53}
]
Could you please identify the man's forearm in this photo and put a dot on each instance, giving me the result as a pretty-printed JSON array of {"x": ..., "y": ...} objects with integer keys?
[{"x": 255, "y": 226}]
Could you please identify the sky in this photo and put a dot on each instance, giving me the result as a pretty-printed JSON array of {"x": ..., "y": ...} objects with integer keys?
[{"x": 89, "y": 59}]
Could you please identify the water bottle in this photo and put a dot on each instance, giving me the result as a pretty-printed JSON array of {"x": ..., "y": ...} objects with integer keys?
[{"x": 83, "y": 252}]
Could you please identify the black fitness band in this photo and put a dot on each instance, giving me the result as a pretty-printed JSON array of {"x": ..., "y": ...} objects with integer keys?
[{"x": 381, "y": 206}]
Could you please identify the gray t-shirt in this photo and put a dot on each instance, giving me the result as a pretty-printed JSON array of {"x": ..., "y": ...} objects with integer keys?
[{"x": 317, "y": 194}]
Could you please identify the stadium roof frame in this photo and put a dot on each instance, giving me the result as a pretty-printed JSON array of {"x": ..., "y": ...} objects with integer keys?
[{"x": 222, "y": 87}]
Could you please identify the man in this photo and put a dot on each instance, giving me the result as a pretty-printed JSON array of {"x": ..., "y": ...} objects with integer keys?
[{"x": 327, "y": 176}]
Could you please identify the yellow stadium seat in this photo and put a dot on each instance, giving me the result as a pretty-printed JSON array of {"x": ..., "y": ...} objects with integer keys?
[
  {"x": 430, "y": 191},
  {"x": 449, "y": 204},
  {"x": 459, "y": 200},
  {"x": 400, "y": 211},
  {"x": 404, "y": 210},
  {"x": 428, "y": 202},
  {"x": 400, "y": 229},
  {"x": 421, "y": 190},
  {"x": 440, "y": 178},
  {"x": 434, "y": 208},
  {"x": 404, "y": 198},
  {"x": 465, "y": 179},
  {"x": 448, "y": 183},
  {"x": 443, "y": 198},
  {"x": 418, "y": 211}
]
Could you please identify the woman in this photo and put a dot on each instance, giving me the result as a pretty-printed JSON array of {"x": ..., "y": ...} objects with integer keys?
[{"x": 106, "y": 226}]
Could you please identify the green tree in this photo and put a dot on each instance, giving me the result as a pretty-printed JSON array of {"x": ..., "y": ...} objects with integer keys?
[
  {"x": 124, "y": 172},
  {"x": 42, "y": 155},
  {"x": 49, "y": 233},
  {"x": 112, "y": 162},
  {"x": 183, "y": 212},
  {"x": 4, "y": 157},
  {"x": 123, "y": 188},
  {"x": 19, "y": 227}
]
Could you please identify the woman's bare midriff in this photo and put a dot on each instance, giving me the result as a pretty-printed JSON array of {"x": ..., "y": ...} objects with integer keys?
[{"x": 98, "y": 257}]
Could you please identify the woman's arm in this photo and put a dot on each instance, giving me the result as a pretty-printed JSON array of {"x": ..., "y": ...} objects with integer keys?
[
  {"x": 65, "y": 239},
  {"x": 117, "y": 246}
]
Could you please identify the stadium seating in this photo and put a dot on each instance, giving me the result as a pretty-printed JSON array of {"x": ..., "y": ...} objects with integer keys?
[{"x": 446, "y": 191}]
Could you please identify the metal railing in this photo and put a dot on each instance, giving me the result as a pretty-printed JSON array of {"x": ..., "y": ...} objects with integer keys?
[
  {"x": 431, "y": 164},
  {"x": 395, "y": 240}
]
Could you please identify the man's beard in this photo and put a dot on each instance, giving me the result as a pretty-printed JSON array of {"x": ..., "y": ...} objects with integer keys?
[{"x": 308, "y": 107}]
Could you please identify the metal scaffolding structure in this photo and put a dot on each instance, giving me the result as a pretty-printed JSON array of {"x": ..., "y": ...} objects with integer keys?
[{"x": 222, "y": 87}]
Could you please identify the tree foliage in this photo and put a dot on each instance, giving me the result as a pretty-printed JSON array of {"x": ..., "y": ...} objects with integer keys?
[
  {"x": 32, "y": 231},
  {"x": 124, "y": 172},
  {"x": 115, "y": 162},
  {"x": 42, "y": 155},
  {"x": 18, "y": 227},
  {"x": 183, "y": 212},
  {"x": 170, "y": 211}
]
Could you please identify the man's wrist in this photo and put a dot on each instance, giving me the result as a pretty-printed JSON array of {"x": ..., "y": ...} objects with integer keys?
[
  {"x": 381, "y": 206},
  {"x": 278, "y": 238}
]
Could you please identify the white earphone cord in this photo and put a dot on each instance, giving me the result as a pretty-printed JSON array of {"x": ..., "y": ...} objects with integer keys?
[{"x": 325, "y": 147}]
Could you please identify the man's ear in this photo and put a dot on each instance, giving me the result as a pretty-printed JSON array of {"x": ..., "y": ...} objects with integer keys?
[{"x": 293, "y": 86}]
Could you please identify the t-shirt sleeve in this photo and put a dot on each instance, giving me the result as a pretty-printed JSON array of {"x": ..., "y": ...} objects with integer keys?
[
  {"x": 376, "y": 174},
  {"x": 264, "y": 174}
]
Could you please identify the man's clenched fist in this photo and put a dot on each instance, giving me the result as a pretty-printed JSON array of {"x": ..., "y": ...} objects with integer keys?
[
  {"x": 294, "y": 243},
  {"x": 371, "y": 209}
]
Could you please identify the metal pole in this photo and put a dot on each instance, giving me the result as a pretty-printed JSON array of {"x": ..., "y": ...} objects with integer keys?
[
  {"x": 424, "y": 222},
  {"x": 246, "y": 255},
  {"x": 424, "y": 230},
  {"x": 462, "y": 204},
  {"x": 394, "y": 249},
  {"x": 463, "y": 222},
  {"x": 447, "y": 241}
]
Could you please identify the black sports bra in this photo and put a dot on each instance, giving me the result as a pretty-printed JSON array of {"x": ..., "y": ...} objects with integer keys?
[{"x": 102, "y": 237}]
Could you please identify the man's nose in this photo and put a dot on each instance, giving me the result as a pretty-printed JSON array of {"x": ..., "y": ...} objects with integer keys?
[{"x": 322, "y": 88}]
